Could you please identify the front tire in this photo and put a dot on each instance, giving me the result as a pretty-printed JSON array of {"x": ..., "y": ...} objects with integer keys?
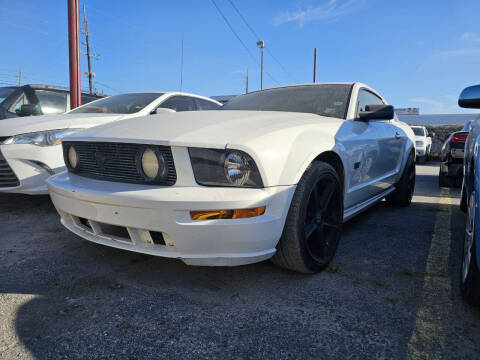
[
  {"x": 402, "y": 196},
  {"x": 314, "y": 222},
  {"x": 470, "y": 280}
]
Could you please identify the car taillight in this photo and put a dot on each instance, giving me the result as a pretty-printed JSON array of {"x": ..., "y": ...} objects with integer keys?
[{"x": 459, "y": 138}]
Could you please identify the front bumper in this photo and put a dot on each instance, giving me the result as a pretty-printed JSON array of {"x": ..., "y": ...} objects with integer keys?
[
  {"x": 32, "y": 166},
  {"x": 88, "y": 206},
  {"x": 421, "y": 150}
]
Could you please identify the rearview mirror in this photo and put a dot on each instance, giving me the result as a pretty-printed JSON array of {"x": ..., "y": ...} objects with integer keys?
[
  {"x": 377, "y": 112},
  {"x": 470, "y": 97},
  {"x": 28, "y": 110}
]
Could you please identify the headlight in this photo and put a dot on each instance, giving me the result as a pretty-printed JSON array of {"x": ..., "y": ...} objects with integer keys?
[
  {"x": 215, "y": 167},
  {"x": 41, "y": 138},
  {"x": 153, "y": 165}
]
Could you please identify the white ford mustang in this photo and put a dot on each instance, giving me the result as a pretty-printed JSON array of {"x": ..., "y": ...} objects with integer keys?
[
  {"x": 272, "y": 173},
  {"x": 29, "y": 151}
]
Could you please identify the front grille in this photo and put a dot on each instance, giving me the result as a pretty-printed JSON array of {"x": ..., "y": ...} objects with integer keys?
[
  {"x": 7, "y": 176},
  {"x": 116, "y": 162}
]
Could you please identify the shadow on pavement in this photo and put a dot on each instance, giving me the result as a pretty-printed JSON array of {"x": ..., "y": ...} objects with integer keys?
[{"x": 89, "y": 301}]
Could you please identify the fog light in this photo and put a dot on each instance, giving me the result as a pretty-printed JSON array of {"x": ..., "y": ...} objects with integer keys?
[
  {"x": 72, "y": 157},
  {"x": 227, "y": 214},
  {"x": 153, "y": 165}
]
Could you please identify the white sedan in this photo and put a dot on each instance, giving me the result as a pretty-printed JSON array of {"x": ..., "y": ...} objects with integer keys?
[
  {"x": 29, "y": 151},
  {"x": 272, "y": 173}
]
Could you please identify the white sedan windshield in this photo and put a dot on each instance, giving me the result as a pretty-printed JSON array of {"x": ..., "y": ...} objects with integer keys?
[{"x": 119, "y": 104}]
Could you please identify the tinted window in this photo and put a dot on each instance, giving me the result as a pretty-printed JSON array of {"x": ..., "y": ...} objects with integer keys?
[
  {"x": 6, "y": 92},
  {"x": 367, "y": 98},
  {"x": 52, "y": 102},
  {"x": 325, "y": 99},
  {"x": 206, "y": 105},
  {"x": 180, "y": 103},
  {"x": 119, "y": 104}
]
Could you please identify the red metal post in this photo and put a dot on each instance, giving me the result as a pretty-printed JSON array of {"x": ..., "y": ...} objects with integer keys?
[{"x": 74, "y": 53}]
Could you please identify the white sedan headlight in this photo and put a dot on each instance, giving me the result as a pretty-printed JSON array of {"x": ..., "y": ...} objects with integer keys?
[{"x": 41, "y": 138}]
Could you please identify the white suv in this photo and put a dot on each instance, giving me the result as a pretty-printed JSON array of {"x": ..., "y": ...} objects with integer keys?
[{"x": 423, "y": 142}]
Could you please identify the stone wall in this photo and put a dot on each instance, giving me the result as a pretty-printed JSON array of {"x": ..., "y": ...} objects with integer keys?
[{"x": 441, "y": 134}]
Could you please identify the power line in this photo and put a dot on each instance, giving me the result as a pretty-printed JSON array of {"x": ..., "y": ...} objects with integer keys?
[
  {"x": 108, "y": 87},
  {"x": 257, "y": 37},
  {"x": 240, "y": 40}
]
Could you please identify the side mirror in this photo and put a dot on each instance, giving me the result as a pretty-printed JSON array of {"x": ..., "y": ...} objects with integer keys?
[
  {"x": 28, "y": 110},
  {"x": 470, "y": 97},
  {"x": 161, "y": 110},
  {"x": 377, "y": 112}
]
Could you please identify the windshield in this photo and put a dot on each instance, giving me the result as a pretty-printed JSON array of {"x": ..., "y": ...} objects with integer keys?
[
  {"x": 326, "y": 100},
  {"x": 119, "y": 104},
  {"x": 5, "y": 92},
  {"x": 418, "y": 131}
]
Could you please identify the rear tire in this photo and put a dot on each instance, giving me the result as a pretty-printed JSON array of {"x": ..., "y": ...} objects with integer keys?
[
  {"x": 402, "y": 196},
  {"x": 313, "y": 226},
  {"x": 470, "y": 277}
]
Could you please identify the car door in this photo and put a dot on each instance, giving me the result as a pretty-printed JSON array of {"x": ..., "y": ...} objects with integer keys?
[{"x": 366, "y": 145}]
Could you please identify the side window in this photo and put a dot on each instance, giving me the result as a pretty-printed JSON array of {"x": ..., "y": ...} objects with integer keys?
[
  {"x": 180, "y": 103},
  {"x": 367, "y": 98},
  {"x": 52, "y": 102},
  {"x": 203, "y": 104},
  {"x": 21, "y": 101}
]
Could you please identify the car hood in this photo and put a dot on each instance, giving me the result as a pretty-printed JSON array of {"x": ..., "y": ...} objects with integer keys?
[
  {"x": 215, "y": 129},
  {"x": 420, "y": 138},
  {"x": 23, "y": 125}
]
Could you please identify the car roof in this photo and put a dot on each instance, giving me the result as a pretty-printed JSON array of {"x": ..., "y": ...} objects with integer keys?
[
  {"x": 307, "y": 84},
  {"x": 58, "y": 88}
]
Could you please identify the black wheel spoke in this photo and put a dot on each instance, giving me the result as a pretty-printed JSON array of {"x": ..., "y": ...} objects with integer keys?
[
  {"x": 326, "y": 196},
  {"x": 310, "y": 228},
  {"x": 323, "y": 219},
  {"x": 331, "y": 225}
]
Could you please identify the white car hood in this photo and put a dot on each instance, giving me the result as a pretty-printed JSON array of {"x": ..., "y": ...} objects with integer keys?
[
  {"x": 28, "y": 124},
  {"x": 419, "y": 138},
  {"x": 205, "y": 128}
]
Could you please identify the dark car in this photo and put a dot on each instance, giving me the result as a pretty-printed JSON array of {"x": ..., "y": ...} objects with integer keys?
[
  {"x": 451, "y": 159},
  {"x": 470, "y": 279},
  {"x": 29, "y": 100}
]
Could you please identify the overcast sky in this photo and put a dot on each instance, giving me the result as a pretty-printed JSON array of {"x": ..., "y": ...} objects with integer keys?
[{"x": 416, "y": 53}]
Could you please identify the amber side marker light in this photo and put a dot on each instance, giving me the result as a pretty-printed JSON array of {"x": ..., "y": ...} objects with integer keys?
[{"x": 227, "y": 214}]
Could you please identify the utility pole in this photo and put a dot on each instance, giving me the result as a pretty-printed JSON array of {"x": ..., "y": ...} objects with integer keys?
[
  {"x": 20, "y": 77},
  {"x": 181, "y": 68},
  {"x": 87, "y": 43},
  {"x": 261, "y": 45},
  {"x": 246, "y": 85},
  {"x": 315, "y": 65},
  {"x": 74, "y": 53}
]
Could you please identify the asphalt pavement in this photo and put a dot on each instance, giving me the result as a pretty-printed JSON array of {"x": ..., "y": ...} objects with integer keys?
[{"x": 392, "y": 292}]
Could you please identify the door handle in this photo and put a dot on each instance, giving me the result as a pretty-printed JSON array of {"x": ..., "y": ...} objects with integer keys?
[{"x": 397, "y": 135}]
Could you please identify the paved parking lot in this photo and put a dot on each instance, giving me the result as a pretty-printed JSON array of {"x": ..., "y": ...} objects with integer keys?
[{"x": 392, "y": 292}]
